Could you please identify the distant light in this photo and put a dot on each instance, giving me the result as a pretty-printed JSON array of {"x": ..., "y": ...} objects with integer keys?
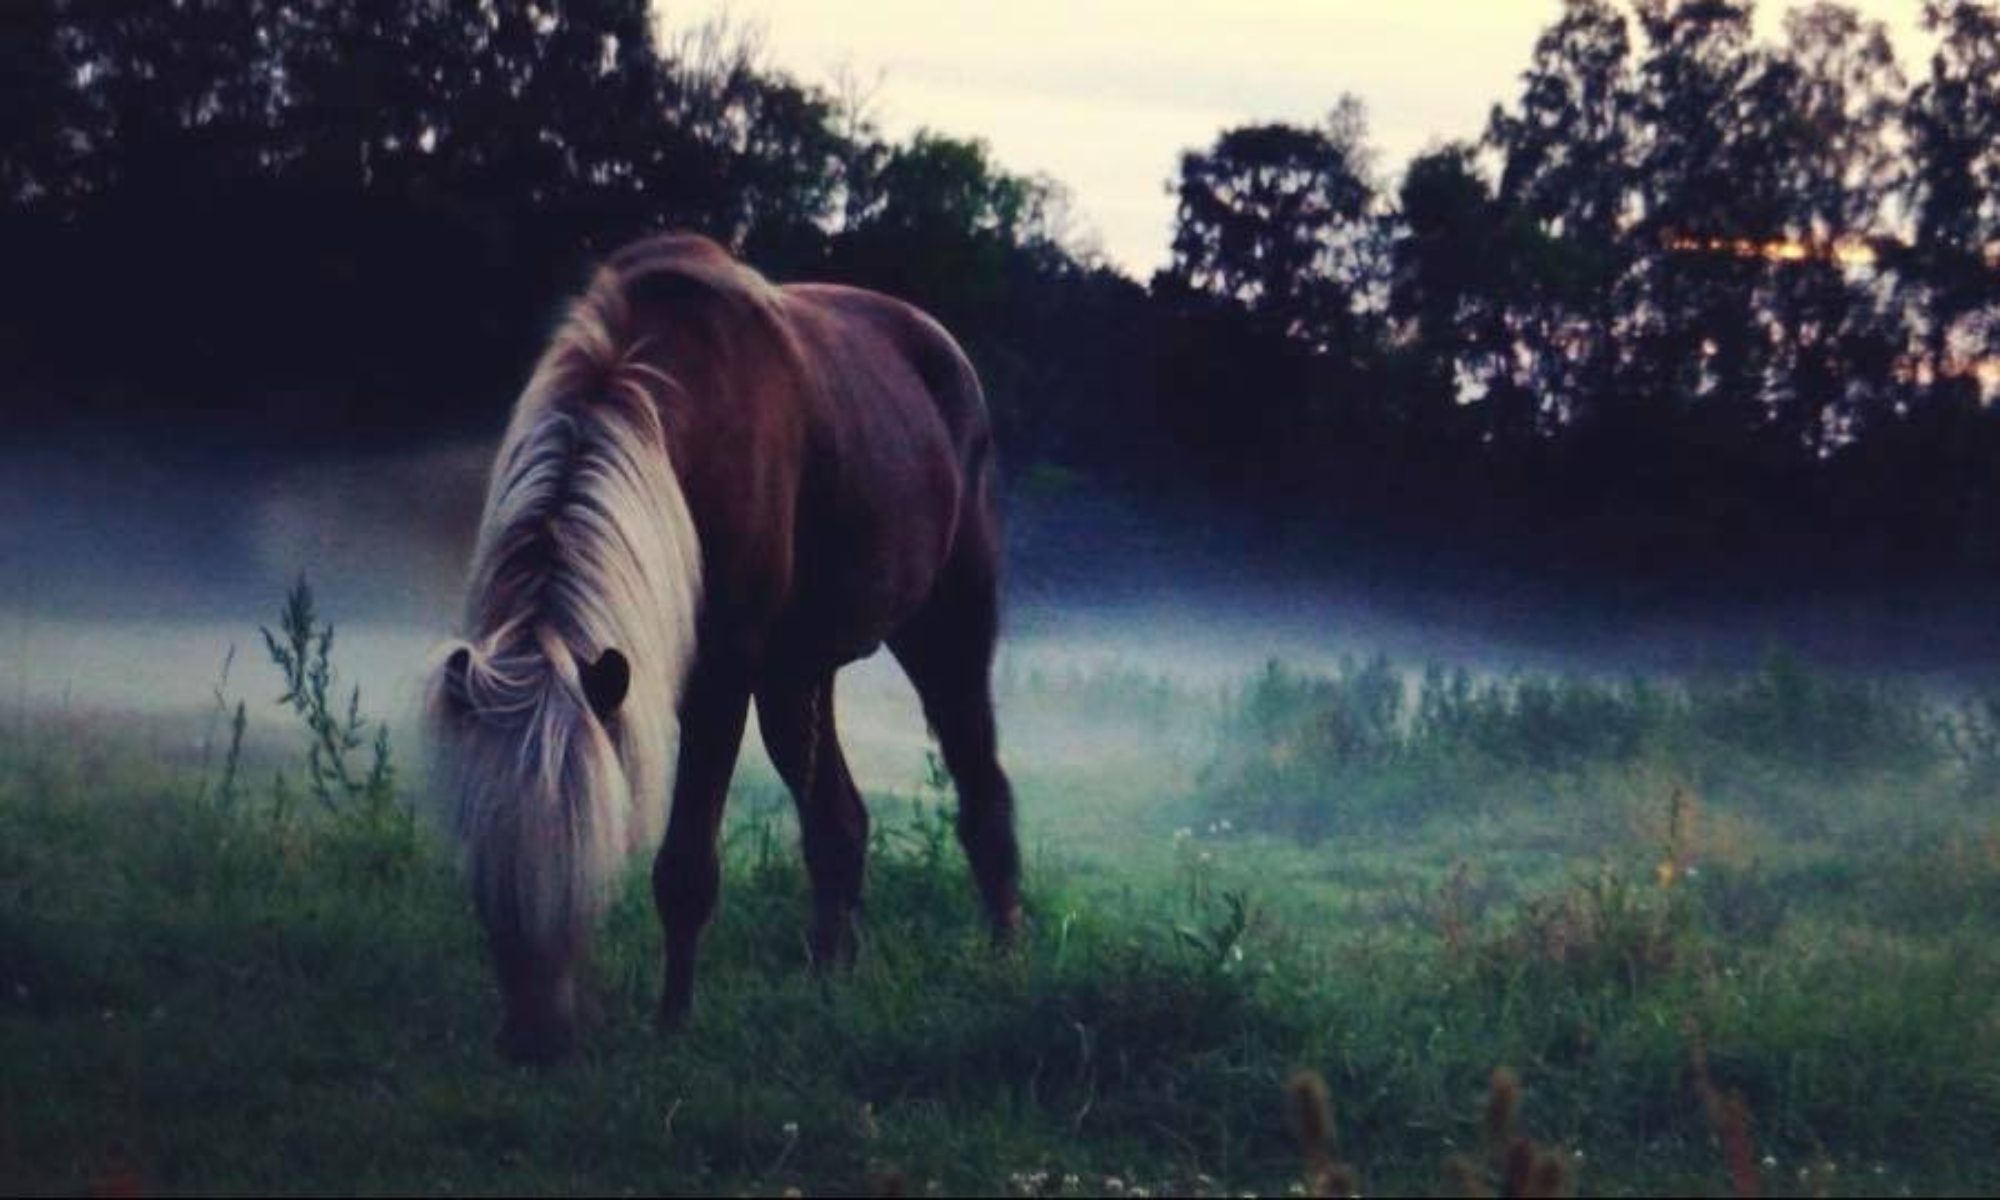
[
  {"x": 1848, "y": 252},
  {"x": 1854, "y": 254},
  {"x": 1987, "y": 374}
]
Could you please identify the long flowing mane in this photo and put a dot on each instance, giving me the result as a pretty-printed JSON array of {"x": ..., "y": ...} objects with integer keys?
[{"x": 586, "y": 545}]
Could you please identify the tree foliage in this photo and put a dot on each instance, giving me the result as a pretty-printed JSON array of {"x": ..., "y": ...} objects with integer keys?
[
  {"x": 1691, "y": 296},
  {"x": 1280, "y": 220}
]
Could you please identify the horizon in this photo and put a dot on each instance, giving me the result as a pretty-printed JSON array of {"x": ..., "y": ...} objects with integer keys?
[{"x": 1061, "y": 90}]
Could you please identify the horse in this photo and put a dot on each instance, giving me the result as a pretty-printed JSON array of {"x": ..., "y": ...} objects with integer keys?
[{"x": 713, "y": 489}]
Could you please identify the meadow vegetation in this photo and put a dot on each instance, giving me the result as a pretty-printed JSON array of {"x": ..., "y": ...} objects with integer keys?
[{"x": 1718, "y": 935}]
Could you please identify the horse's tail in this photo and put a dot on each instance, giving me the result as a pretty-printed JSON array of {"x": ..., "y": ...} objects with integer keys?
[{"x": 587, "y": 555}]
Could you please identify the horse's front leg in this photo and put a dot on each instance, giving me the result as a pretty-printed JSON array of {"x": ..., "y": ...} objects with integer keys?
[
  {"x": 796, "y": 717},
  {"x": 687, "y": 873}
]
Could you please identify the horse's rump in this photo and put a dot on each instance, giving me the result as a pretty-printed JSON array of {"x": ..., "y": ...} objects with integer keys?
[
  {"x": 829, "y": 439},
  {"x": 897, "y": 449}
]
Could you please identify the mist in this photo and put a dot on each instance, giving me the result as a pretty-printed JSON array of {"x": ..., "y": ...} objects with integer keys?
[{"x": 126, "y": 579}]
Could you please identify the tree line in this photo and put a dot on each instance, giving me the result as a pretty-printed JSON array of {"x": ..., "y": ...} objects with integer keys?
[{"x": 1692, "y": 301}]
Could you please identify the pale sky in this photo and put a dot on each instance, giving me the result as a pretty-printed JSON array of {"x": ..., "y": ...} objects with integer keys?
[{"x": 1105, "y": 95}]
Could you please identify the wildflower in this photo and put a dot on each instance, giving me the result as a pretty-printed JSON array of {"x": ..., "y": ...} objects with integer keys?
[
  {"x": 1113, "y": 1186},
  {"x": 1770, "y": 1161},
  {"x": 791, "y": 1130}
]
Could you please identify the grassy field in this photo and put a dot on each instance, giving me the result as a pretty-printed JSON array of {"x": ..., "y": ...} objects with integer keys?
[{"x": 1728, "y": 933}]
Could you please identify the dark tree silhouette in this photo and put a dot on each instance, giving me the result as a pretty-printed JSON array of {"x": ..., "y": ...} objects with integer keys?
[
  {"x": 1954, "y": 129},
  {"x": 1454, "y": 290},
  {"x": 1709, "y": 131},
  {"x": 1567, "y": 177},
  {"x": 1693, "y": 301},
  {"x": 1280, "y": 220},
  {"x": 1834, "y": 334}
]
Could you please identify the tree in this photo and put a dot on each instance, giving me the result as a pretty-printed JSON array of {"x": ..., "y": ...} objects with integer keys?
[
  {"x": 760, "y": 162},
  {"x": 179, "y": 97},
  {"x": 1452, "y": 289},
  {"x": 42, "y": 129},
  {"x": 943, "y": 226},
  {"x": 1280, "y": 220},
  {"x": 1954, "y": 131},
  {"x": 1712, "y": 127},
  {"x": 1567, "y": 187},
  {"x": 1832, "y": 332}
]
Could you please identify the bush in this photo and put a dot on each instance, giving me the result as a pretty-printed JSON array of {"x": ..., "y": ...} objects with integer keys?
[{"x": 1370, "y": 744}]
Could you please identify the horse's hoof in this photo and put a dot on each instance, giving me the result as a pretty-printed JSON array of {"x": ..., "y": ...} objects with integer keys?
[
  {"x": 1007, "y": 929},
  {"x": 831, "y": 950},
  {"x": 543, "y": 1046},
  {"x": 673, "y": 1018}
]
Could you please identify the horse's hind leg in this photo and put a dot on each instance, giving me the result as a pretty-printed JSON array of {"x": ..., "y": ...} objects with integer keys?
[
  {"x": 947, "y": 651},
  {"x": 799, "y": 733}
]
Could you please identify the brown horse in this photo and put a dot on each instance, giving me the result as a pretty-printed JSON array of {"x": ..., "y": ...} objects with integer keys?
[{"x": 712, "y": 489}]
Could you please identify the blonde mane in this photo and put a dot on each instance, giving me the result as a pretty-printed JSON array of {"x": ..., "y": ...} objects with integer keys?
[{"x": 586, "y": 545}]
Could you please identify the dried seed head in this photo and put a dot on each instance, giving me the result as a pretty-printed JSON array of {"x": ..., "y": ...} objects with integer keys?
[
  {"x": 1549, "y": 1178},
  {"x": 1311, "y": 1112},
  {"x": 1462, "y": 1178},
  {"x": 1503, "y": 1103}
]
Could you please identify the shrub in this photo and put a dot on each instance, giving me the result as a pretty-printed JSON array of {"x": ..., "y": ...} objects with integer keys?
[{"x": 1367, "y": 743}]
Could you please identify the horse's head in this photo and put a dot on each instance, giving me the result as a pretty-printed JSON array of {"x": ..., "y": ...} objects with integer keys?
[{"x": 525, "y": 737}]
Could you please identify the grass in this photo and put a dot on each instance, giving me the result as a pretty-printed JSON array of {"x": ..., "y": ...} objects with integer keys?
[{"x": 1727, "y": 934}]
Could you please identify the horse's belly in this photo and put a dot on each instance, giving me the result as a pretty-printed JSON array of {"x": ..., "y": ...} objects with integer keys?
[{"x": 850, "y": 599}]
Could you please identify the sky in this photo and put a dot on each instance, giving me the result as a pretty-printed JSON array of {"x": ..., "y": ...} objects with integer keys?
[{"x": 1105, "y": 95}]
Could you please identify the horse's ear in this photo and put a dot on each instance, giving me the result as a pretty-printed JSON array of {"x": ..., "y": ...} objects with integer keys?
[
  {"x": 455, "y": 669},
  {"x": 605, "y": 682}
]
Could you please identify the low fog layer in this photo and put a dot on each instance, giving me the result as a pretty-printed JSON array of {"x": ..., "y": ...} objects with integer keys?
[{"x": 125, "y": 580}]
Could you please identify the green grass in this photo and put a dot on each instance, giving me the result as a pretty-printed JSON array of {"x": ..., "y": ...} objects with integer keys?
[{"x": 1398, "y": 886}]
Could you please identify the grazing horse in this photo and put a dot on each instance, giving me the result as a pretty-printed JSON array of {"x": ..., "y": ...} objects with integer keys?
[{"x": 713, "y": 489}]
